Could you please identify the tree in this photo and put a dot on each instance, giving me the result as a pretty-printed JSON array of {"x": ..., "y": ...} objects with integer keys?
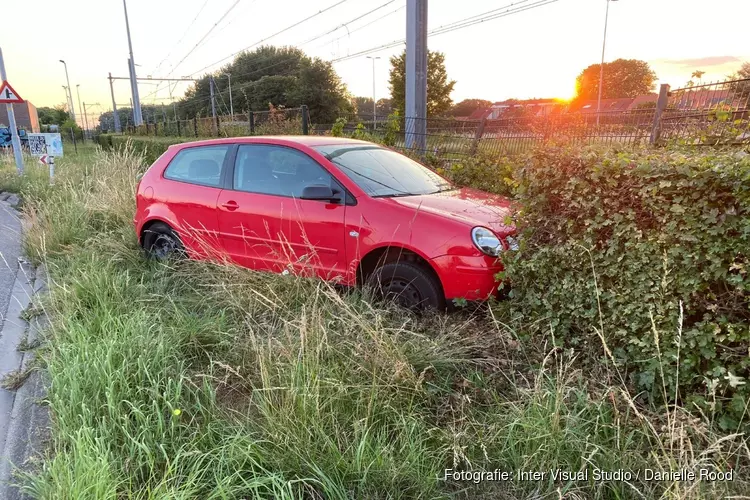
[
  {"x": 52, "y": 116},
  {"x": 622, "y": 78},
  {"x": 468, "y": 106},
  {"x": 363, "y": 107},
  {"x": 439, "y": 88},
  {"x": 280, "y": 76},
  {"x": 741, "y": 88}
]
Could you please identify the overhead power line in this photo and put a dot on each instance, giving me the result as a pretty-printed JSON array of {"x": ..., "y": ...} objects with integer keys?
[
  {"x": 364, "y": 25},
  {"x": 256, "y": 71},
  {"x": 226, "y": 13},
  {"x": 464, "y": 23},
  {"x": 342, "y": 25},
  {"x": 182, "y": 37},
  {"x": 271, "y": 36}
]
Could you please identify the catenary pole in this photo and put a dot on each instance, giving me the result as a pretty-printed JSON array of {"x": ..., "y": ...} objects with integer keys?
[
  {"x": 115, "y": 116},
  {"x": 416, "y": 74},
  {"x": 137, "y": 114},
  {"x": 70, "y": 92}
]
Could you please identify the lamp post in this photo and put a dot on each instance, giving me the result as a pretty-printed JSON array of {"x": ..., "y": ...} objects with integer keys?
[
  {"x": 601, "y": 66},
  {"x": 70, "y": 92},
  {"x": 374, "y": 102}
]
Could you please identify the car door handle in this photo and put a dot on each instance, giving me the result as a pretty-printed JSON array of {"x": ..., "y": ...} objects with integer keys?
[{"x": 230, "y": 205}]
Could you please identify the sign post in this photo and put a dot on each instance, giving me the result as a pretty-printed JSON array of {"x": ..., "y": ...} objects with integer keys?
[
  {"x": 46, "y": 147},
  {"x": 9, "y": 96}
]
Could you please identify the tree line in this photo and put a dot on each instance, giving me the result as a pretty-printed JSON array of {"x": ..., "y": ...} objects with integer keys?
[{"x": 285, "y": 77}]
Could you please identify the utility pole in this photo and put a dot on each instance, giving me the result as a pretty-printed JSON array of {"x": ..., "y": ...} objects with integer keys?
[
  {"x": 174, "y": 104},
  {"x": 15, "y": 140},
  {"x": 137, "y": 116},
  {"x": 416, "y": 74},
  {"x": 601, "y": 66},
  {"x": 85, "y": 121},
  {"x": 78, "y": 94},
  {"x": 215, "y": 121},
  {"x": 374, "y": 102},
  {"x": 231, "y": 106},
  {"x": 70, "y": 92},
  {"x": 67, "y": 97},
  {"x": 116, "y": 117}
]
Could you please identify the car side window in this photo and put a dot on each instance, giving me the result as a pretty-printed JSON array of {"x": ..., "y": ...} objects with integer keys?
[
  {"x": 198, "y": 165},
  {"x": 276, "y": 170}
]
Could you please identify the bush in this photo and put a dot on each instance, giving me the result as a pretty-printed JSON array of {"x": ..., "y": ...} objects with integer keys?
[
  {"x": 488, "y": 173},
  {"x": 647, "y": 252},
  {"x": 150, "y": 148}
]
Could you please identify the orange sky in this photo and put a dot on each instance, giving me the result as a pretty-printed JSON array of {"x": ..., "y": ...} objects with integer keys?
[{"x": 537, "y": 53}]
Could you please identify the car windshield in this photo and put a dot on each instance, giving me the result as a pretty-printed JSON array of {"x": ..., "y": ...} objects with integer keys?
[{"x": 381, "y": 172}]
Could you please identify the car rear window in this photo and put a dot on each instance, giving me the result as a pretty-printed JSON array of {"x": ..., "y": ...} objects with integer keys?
[{"x": 198, "y": 165}]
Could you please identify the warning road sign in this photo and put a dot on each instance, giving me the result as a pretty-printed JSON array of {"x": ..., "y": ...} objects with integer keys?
[
  {"x": 44, "y": 160},
  {"x": 8, "y": 95}
]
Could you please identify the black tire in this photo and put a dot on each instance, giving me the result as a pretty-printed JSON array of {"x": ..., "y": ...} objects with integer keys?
[
  {"x": 161, "y": 242},
  {"x": 407, "y": 284}
]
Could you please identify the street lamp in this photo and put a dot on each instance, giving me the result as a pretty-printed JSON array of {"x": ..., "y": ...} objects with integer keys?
[
  {"x": 601, "y": 66},
  {"x": 374, "y": 102},
  {"x": 70, "y": 92}
]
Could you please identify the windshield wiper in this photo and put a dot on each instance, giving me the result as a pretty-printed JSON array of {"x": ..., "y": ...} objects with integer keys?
[{"x": 395, "y": 195}]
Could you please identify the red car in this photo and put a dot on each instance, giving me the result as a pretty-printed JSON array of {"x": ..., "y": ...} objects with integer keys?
[{"x": 341, "y": 209}]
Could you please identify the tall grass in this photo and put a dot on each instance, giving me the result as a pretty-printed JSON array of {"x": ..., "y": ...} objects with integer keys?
[{"x": 199, "y": 380}]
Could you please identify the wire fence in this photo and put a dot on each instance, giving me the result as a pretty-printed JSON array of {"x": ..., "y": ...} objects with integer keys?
[
  {"x": 710, "y": 114},
  {"x": 279, "y": 121},
  {"x": 456, "y": 137}
]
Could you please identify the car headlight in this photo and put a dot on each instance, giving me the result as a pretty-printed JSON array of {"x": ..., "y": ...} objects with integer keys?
[{"x": 486, "y": 241}]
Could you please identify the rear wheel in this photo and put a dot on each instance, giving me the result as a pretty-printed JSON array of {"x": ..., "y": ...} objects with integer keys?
[
  {"x": 161, "y": 242},
  {"x": 408, "y": 285}
]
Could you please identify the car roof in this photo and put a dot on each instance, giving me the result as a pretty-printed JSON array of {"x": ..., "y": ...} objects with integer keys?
[{"x": 305, "y": 140}]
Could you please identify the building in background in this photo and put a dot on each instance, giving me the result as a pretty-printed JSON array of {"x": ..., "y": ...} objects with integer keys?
[{"x": 26, "y": 116}]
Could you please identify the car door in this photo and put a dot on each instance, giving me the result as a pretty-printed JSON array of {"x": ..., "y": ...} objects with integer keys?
[
  {"x": 192, "y": 184},
  {"x": 266, "y": 225}
]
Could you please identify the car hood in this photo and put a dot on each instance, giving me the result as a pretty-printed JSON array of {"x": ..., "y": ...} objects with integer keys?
[{"x": 474, "y": 207}]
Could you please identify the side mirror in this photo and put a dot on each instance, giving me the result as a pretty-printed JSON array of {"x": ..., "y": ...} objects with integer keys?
[{"x": 320, "y": 192}]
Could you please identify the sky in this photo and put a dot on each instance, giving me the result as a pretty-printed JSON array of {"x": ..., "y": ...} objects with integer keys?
[{"x": 535, "y": 53}]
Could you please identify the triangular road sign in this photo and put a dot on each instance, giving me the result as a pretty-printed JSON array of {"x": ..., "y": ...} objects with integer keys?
[{"x": 8, "y": 95}]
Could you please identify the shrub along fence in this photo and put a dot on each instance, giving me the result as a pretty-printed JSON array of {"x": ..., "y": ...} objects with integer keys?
[{"x": 641, "y": 260}]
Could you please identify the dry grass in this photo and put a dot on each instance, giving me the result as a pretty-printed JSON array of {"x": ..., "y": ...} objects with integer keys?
[{"x": 199, "y": 380}]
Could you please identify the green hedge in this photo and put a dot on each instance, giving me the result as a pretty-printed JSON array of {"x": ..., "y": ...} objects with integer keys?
[
  {"x": 613, "y": 242},
  {"x": 151, "y": 147}
]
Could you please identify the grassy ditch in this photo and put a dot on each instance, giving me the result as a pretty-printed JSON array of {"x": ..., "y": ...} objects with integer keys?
[{"x": 198, "y": 380}]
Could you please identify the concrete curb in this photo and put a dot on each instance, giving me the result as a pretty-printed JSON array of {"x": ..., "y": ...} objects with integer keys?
[{"x": 24, "y": 422}]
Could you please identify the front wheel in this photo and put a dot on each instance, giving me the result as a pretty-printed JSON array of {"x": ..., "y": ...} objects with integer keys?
[
  {"x": 407, "y": 284},
  {"x": 161, "y": 242}
]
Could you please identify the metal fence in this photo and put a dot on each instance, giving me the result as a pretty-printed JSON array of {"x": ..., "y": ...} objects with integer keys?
[
  {"x": 709, "y": 114},
  {"x": 280, "y": 121},
  {"x": 714, "y": 113},
  {"x": 451, "y": 138}
]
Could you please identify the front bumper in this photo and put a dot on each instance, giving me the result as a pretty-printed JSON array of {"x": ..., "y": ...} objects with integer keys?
[{"x": 470, "y": 278}]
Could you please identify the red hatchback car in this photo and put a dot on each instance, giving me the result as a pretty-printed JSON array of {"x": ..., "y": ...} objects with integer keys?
[{"x": 341, "y": 209}]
